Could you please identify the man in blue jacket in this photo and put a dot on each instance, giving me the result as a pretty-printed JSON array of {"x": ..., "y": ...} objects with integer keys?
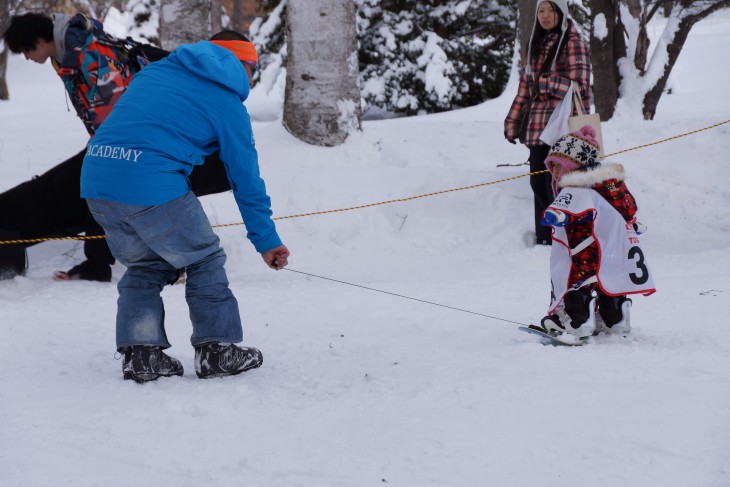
[{"x": 135, "y": 181}]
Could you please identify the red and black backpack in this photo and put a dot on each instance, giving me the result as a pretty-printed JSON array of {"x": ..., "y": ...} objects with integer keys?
[{"x": 97, "y": 68}]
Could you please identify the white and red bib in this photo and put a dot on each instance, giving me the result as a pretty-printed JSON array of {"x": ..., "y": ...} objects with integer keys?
[{"x": 622, "y": 268}]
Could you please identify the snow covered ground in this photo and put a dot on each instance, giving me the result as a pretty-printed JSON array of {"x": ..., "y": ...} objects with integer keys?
[{"x": 360, "y": 388}]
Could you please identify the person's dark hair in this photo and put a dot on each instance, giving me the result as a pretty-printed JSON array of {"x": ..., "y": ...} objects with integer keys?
[
  {"x": 229, "y": 35},
  {"x": 24, "y": 31},
  {"x": 540, "y": 33}
]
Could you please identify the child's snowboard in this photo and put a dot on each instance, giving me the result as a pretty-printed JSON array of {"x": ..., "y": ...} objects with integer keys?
[{"x": 548, "y": 339}]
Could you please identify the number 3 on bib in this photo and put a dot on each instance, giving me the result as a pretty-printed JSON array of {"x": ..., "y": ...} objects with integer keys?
[{"x": 643, "y": 276}]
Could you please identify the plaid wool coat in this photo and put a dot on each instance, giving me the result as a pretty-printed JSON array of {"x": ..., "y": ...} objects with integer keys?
[{"x": 573, "y": 63}]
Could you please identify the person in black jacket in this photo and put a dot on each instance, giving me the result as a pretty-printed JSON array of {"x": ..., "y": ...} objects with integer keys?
[{"x": 50, "y": 205}]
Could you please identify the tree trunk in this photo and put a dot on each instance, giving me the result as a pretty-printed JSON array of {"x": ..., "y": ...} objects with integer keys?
[
  {"x": 322, "y": 100},
  {"x": 642, "y": 49},
  {"x": 4, "y": 22},
  {"x": 674, "y": 48},
  {"x": 605, "y": 52},
  {"x": 651, "y": 99},
  {"x": 634, "y": 7},
  {"x": 4, "y": 92},
  {"x": 184, "y": 22},
  {"x": 252, "y": 9},
  {"x": 216, "y": 14},
  {"x": 237, "y": 16},
  {"x": 525, "y": 23},
  {"x": 243, "y": 13},
  {"x": 642, "y": 38}
]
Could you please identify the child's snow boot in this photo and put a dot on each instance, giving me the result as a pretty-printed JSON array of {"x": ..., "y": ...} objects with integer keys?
[
  {"x": 144, "y": 363},
  {"x": 575, "y": 316},
  {"x": 613, "y": 315}
]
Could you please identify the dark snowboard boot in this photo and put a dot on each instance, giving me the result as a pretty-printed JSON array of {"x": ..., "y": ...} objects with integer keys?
[
  {"x": 613, "y": 315},
  {"x": 222, "y": 359},
  {"x": 146, "y": 363},
  {"x": 575, "y": 316}
]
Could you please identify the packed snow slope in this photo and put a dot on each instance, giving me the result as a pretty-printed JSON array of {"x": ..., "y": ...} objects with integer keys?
[{"x": 361, "y": 388}]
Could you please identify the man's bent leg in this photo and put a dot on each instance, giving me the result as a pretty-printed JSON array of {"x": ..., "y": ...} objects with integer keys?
[
  {"x": 140, "y": 311},
  {"x": 213, "y": 308}
]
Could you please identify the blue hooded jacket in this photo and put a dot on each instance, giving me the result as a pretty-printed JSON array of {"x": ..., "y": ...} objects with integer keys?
[{"x": 174, "y": 113}]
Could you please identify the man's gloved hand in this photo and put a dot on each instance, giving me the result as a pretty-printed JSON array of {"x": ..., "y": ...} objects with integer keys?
[{"x": 555, "y": 218}]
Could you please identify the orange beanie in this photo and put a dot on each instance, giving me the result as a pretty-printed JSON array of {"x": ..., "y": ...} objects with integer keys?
[{"x": 244, "y": 51}]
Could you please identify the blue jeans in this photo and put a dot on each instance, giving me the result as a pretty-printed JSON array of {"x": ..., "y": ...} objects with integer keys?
[{"x": 153, "y": 242}]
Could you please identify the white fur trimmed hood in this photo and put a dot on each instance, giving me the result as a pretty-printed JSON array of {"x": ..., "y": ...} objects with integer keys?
[{"x": 586, "y": 179}]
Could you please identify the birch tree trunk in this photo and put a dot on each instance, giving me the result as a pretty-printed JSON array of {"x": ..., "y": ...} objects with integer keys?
[
  {"x": 184, "y": 22},
  {"x": 322, "y": 100}
]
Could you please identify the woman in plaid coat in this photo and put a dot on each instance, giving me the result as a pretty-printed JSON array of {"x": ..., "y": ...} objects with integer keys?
[{"x": 556, "y": 56}]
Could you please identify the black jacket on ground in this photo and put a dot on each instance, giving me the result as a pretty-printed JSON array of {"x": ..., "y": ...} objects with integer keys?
[{"x": 49, "y": 205}]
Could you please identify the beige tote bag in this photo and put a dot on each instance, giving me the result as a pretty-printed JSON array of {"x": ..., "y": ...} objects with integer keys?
[{"x": 578, "y": 121}]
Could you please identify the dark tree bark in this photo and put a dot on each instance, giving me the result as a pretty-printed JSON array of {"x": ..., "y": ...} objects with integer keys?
[
  {"x": 607, "y": 52},
  {"x": 604, "y": 55},
  {"x": 674, "y": 48},
  {"x": 634, "y": 7},
  {"x": 243, "y": 12},
  {"x": 236, "y": 16},
  {"x": 525, "y": 22},
  {"x": 4, "y": 92},
  {"x": 216, "y": 14},
  {"x": 5, "y": 11},
  {"x": 642, "y": 40}
]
